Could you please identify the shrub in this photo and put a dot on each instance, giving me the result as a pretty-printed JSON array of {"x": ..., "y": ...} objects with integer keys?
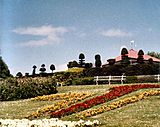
[
  {"x": 93, "y": 72},
  {"x": 146, "y": 79},
  {"x": 141, "y": 79},
  {"x": 83, "y": 81},
  {"x": 131, "y": 79},
  {"x": 23, "y": 88}
]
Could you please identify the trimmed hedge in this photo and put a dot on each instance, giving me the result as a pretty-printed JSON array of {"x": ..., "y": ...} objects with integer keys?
[
  {"x": 128, "y": 70},
  {"x": 141, "y": 79},
  {"x": 83, "y": 81},
  {"x": 23, "y": 88}
]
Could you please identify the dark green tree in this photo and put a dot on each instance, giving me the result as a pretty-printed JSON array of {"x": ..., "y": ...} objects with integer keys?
[
  {"x": 34, "y": 70},
  {"x": 124, "y": 56},
  {"x": 4, "y": 71},
  {"x": 42, "y": 69},
  {"x": 72, "y": 64},
  {"x": 52, "y": 68},
  {"x": 97, "y": 57},
  {"x": 140, "y": 58},
  {"x": 19, "y": 74},
  {"x": 124, "y": 51},
  {"x": 154, "y": 54},
  {"x": 98, "y": 62},
  {"x": 88, "y": 65},
  {"x": 69, "y": 64},
  {"x": 81, "y": 59}
]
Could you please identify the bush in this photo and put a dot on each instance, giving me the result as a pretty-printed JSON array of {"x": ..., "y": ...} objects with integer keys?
[
  {"x": 146, "y": 79},
  {"x": 93, "y": 72},
  {"x": 131, "y": 79},
  {"x": 141, "y": 79},
  {"x": 23, "y": 88},
  {"x": 83, "y": 81}
]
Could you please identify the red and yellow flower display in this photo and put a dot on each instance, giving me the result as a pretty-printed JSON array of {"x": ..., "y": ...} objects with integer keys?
[
  {"x": 117, "y": 104},
  {"x": 70, "y": 98},
  {"x": 115, "y": 92}
]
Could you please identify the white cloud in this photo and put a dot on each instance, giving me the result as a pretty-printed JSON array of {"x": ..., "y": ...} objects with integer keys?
[
  {"x": 116, "y": 33},
  {"x": 48, "y": 34}
]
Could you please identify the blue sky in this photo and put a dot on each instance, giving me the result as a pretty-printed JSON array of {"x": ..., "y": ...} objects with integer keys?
[{"x": 33, "y": 32}]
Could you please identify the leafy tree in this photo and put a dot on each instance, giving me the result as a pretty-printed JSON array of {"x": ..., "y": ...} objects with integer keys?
[
  {"x": 154, "y": 54},
  {"x": 124, "y": 55},
  {"x": 42, "y": 69},
  {"x": 98, "y": 62},
  {"x": 81, "y": 59},
  {"x": 88, "y": 65},
  {"x": 34, "y": 70},
  {"x": 140, "y": 58},
  {"x": 19, "y": 74},
  {"x": 69, "y": 64},
  {"x": 140, "y": 53},
  {"x": 4, "y": 71},
  {"x": 124, "y": 51},
  {"x": 97, "y": 57},
  {"x": 72, "y": 64},
  {"x": 52, "y": 68},
  {"x": 26, "y": 74}
]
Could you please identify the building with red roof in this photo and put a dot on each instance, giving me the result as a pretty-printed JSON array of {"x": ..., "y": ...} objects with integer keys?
[{"x": 132, "y": 56}]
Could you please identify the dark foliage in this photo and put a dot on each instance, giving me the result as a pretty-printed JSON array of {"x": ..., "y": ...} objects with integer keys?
[
  {"x": 88, "y": 65},
  {"x": 111, "y": 61},
  {"x": 125, "y": 60},
  {"x": 81, "y": 59},
  {"x": 98, "y": 62},
  {"x": 34, "y": 70},
  {"x": 42, "y": 69},
  {"x": 140, "y": 53},
  {"x": 19, "y": 74},
  {"x": 129, "y": 70},
  {"x": 72, "y": 64},
  {"x": 83, "y": 81},
  {"x": 140, "y": 58},
  {"x": 52, "y": 68},
  {"x": 124, "y": 51},
  {"x": 23, "y": 88},
  {"x": 4, "y": 71},
  {"x": 154, "y": 54}
]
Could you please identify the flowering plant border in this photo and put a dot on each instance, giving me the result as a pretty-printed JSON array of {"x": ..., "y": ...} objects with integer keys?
[{"x": 114, "y": 93}]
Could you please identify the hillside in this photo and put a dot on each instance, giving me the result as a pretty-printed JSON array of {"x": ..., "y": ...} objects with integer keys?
[{"x": 142, "y": 112}]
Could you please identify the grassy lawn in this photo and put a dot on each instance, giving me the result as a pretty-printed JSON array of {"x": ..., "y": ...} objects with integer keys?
[{"x": 145, "y": 113}]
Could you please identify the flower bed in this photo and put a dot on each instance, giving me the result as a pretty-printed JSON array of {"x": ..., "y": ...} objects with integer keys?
[
  {"x": 46, "y": 123},
  {"x": 118, "y": 104},
  {"x": 71, "y": 98},
  {"x": 61, "y": 96},
  {"x": 115, "y": 92}
]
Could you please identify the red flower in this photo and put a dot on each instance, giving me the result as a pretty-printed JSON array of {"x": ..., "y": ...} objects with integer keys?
[{"x": 114, "y": 93}]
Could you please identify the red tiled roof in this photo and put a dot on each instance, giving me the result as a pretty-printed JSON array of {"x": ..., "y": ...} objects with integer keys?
[{"x": 134, "y": 54}]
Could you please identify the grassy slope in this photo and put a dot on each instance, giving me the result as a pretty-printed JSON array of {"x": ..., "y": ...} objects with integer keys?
[{"x": 145, "y": 113}]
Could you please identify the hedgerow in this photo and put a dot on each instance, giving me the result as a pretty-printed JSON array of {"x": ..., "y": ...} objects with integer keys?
[{"x": 23, "y": 88}]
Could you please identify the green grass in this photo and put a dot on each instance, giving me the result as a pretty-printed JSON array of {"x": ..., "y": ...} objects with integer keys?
[
  {"x": 145, "y": 113},
  {"x": 20, "y": 109}
]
